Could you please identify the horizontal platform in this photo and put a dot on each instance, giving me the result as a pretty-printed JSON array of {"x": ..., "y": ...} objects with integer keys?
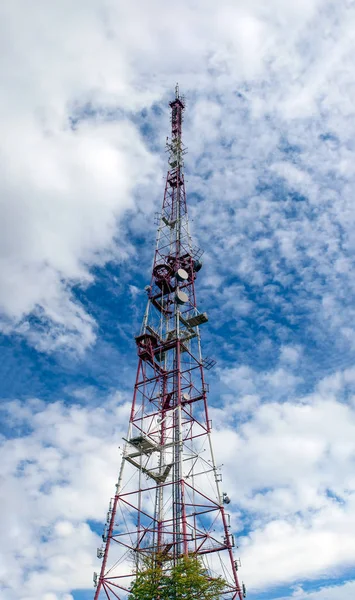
[
  {"x": 158, "y": 478},
  {"x": 195, "y": 320}
]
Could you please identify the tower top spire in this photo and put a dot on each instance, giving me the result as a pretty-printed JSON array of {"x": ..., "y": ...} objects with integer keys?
[
  {"x": 179, "y": 100},
  {"x": 175, "y": 147}
]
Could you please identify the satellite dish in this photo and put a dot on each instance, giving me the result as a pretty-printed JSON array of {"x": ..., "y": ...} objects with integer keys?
[
  {"x": 181, "y": 275},
  {"x": 181, "y": 297}
]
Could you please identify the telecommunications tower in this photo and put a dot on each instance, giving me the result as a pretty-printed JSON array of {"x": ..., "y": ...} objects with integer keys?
[{"x": 168, "y": 500}]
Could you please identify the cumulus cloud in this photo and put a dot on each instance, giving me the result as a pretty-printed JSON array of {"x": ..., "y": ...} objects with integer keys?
[
  {"x": 65, "y": 180},
  {"x": 334, "y": 592},
  {"x": 289, "y": 469},
  {"x": 64, "y": 192},
  {"x": 58, "y": 472}
]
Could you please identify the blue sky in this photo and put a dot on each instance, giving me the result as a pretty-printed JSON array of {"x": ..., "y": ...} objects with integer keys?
[{"x": 269, "y": 127}]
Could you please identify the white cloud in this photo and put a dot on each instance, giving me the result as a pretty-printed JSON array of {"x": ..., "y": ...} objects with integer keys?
[
  {"x": 243, "y": 381},
  {"x": 63, "y": 190},
  {"x": 336, "y": 592},
  {"x": 290, "y": 354},
  {"x": 64, "y": 193},
  {"x": 55, "y": 477},
  {"x": 282, "y": 379},
  {"x": 289, "y": 468}
]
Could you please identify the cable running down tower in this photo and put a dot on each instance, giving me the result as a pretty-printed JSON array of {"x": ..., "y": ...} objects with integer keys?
[{"x": 168, "y": 501}]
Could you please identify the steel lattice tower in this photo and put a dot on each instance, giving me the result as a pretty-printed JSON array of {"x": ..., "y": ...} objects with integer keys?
[{"x": 168, "y": 500}]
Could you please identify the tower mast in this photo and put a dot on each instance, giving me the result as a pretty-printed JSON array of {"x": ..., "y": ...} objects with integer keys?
[{"x": 168, "y": 503}]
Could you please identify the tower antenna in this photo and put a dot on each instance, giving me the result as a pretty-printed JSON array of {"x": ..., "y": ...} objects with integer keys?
[{"x": 168, "y": 501}]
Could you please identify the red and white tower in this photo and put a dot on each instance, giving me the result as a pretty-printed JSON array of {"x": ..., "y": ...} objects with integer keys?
[{"x": 168, "y": 497}]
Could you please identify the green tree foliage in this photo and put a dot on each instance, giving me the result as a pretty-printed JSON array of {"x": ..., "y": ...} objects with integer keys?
[{"x": 187, "y": 580}]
